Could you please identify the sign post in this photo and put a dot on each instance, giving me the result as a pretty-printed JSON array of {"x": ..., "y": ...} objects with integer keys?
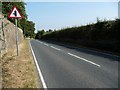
[
  {"x": 15, "y": 14},
  {"x": 16, "y": 35}
]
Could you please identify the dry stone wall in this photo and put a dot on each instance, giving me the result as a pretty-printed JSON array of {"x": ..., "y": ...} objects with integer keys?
[{"x": 8, "y": 36}]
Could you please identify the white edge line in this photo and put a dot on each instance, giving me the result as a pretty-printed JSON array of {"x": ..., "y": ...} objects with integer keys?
[
  {"x": 84, "y": 59},
  {"x": 38, "y": 68},
  {"x": 55, "y": 48}
]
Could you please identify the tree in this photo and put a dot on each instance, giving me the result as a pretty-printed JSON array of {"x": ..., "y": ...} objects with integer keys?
[
  {"x": 50, "y": 30},
  {"x": 40, "y": 34},
  {"x": 29, "y": 29},
  {"x": 24, "y": 24},
  {"x": 7, "y": 7}
]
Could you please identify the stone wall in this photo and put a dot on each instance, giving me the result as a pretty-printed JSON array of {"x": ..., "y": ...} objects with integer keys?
[{"x": 8, "y": 38}]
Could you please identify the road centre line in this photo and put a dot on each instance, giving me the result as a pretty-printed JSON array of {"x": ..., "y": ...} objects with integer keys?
[
  {"x": 74, "y": 55},
  {"x": 91, "y": 50},
  {"x": 39, "y": 70},
  {"x": 39, "y": 41},
  {"x": 46, "y": 44},
  {"x": 42, "y": 43},
  {"x": 84, "y": 59},
  {"x": 55, "y": 48}
]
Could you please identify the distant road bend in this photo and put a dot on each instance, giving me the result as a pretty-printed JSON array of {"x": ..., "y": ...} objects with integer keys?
[{"x": 63, "y": 67}]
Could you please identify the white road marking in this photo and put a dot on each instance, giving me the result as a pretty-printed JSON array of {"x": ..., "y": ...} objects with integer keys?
[
  {"x": 39, "y": 70},
  {"x": 39, "y": 41},
  {"x": 42, "y": 43},
  {"x": 92, "y": 51},
  {"x": 46, "y": 44},
  {"x": 55, "y": 48},
  {"x": 84, "y": 59}
]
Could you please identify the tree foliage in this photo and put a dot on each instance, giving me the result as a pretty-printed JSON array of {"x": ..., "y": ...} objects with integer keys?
[
  {"x": 24, "y": 24},
  {"x": 40, "y": 34},
  {"x": 102, "y": 35}
]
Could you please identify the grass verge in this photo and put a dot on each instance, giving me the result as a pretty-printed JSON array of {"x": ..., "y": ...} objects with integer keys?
[{"x": 19, "y": 71}]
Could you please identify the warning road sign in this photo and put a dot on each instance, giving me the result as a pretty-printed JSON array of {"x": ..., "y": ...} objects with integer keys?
[{"x": 14, "y": 13}]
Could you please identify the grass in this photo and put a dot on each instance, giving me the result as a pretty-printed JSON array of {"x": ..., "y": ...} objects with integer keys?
[{"x": 19, "y": 71}]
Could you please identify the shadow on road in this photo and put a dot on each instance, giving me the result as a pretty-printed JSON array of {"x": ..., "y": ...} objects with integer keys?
[{"x": 95, "y": 52}]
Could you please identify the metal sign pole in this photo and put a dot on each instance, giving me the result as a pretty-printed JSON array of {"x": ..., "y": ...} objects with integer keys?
[
  {"x": 15, "y": 14},
  {"x": 16, "y": 35}
]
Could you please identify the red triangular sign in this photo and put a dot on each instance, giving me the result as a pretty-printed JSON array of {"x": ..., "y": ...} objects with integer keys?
[{"x": 14, "y": 13}]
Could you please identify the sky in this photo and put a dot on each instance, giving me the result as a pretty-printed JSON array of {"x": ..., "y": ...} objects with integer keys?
[{"x": 57, "y": 15}]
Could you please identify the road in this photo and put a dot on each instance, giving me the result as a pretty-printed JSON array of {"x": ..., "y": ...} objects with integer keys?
[{"x": 64, "y": 67}]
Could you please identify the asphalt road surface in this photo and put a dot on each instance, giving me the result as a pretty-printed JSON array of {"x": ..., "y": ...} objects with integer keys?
[{"x": 64, "y": 67}]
